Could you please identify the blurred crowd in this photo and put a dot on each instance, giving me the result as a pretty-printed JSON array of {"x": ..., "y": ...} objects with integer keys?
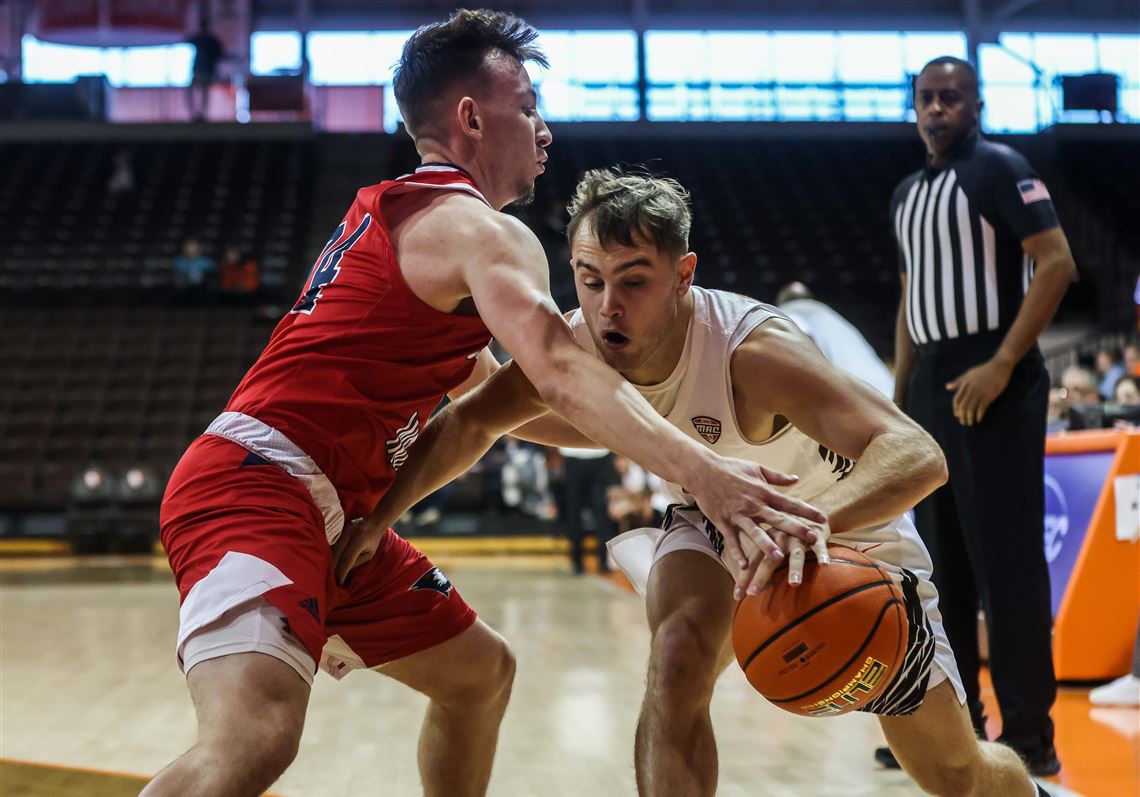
[
  {"x": 1107, "y": 387},
  {"x": 200, "y": 279},
  {"x": 579, "y": 493}
]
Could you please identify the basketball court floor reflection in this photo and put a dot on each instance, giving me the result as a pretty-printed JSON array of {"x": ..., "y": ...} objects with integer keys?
[{"x": 88, "y": 681}]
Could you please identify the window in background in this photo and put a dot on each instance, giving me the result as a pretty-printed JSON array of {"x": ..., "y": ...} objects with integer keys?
[
  {"x": 1021, "y": 77},
  {"x": 739, "y": 57},
  {"x": 794, "y": 103},
  {"x": 702, "y": 75},
  {"x": 156, "y": 66},
  {"x": 44, "y": 62},
  {"x": 678, "y": 56},
  {"x": 872, "y": 67},
  {"x": 1120, "y": 54},
  {"x": 1065, "y": 53},
  {"x": 271, "y": 52},
  {"x": 788, "y": 75},
  {"x": 1056, "y": 55},
  {"x": 389, "y": 45},
  {"x": 1010, "y": 109},
  {"x": 805, "y": 58},
  {"x": 919, "y": 48},
  {"x": 344, "y": 59},
  {"x": 592, "y": 75},
  {"x": 358, "y": 58},
  {"x": 875, "y": 104},
  {"x": 166, "y": 65},
  {"x": 871, "y": 58},
  {"x": 1008, "y": 81}
]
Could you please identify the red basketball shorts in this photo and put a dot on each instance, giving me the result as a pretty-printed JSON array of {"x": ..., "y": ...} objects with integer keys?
[{"x": 240, "y": 532}]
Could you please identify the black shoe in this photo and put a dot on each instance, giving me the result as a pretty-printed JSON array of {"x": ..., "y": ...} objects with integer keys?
[
  {"x": 1042, "y": 763},
  {"x": 885, "y": 757}
]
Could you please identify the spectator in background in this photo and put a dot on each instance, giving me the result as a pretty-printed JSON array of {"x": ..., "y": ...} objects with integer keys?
[
  {"x": 1136, "y": 301},
  {"x": 1132, "y": 360},
  {"x": 1124, "y": 691},
  {"x": 630, "y": 500},
  {"x": 1126, "y": 398},
  {"x": 524, "y": 480},
  {"x": 207, "y": 53},
  {"x": 1079, "y": 386},
  {"x": 588, "y": 474},
  {"x": 1109, "y": 367},
  {"x": 193, "y": 271},
  {"x": 551, "y": 231},
  {"x": 429, "y": 511},
  {"x": 1057, "y": 418},
  {"x": 836, "y": 337},
  {"x": 238, "y": 275},
  {"x": 1127, "y": 391},
  {"x": 122, "y": 179}
]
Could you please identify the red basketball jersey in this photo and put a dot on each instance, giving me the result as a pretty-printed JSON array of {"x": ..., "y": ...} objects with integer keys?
[{"x": 355, "y": 369}]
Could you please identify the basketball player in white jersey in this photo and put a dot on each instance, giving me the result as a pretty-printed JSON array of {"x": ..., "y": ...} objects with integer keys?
[{"x": 740, "y": 377}]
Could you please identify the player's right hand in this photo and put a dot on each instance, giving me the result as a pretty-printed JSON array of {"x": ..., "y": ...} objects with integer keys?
[
  {"x": 356, "y": 545},
  {"x": 761, "y": 568},
  {"x": 740, "y": 499}
]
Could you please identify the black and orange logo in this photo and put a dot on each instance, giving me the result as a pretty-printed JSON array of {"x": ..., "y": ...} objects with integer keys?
[{"x": 708, "y": 428}]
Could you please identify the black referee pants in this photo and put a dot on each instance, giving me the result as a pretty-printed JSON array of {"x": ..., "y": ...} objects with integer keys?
[
  {"x": 586, "y": 483},
  {"x": 984, "y": 530}
]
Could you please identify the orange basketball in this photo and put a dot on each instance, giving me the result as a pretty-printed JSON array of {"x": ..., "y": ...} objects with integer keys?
[{"x": 830, "y": 645}]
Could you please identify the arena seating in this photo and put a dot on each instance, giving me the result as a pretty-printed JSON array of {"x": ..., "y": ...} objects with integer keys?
[
  {"x": 112, "y": 386},
  {"x": 1103, "y": 177},
  {"x": 102, "y": 364},
  {"x": 61, "y": 229},
  {"x": 770, "y": 210}
]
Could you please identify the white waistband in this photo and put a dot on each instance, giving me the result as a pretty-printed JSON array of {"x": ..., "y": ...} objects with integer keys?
[{"x": 269, "y": 444}]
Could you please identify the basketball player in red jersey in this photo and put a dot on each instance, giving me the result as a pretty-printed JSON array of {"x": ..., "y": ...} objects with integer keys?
[
  {"x": 740, "y": 376},
  {"x": 397, "y": 312}
]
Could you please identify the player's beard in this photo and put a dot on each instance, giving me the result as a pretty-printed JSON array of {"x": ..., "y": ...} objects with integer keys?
[{"x": 526, "y": 199}]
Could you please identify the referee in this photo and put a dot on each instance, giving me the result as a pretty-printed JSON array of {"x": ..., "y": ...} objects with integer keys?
[{"x": 984, "y": 265}]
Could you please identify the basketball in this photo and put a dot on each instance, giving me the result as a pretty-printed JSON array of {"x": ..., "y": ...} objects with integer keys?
[{"x": 828, "y": 646}]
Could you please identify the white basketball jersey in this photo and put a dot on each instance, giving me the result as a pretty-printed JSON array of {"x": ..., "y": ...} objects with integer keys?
[
  {"x": 697, "y": 399},
  {"x": 697, "y": 396}
]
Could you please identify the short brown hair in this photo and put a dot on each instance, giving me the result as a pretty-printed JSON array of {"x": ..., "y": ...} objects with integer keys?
[
  {"x": 623, "y": 204},
  {"x": 439, "y": 54}
]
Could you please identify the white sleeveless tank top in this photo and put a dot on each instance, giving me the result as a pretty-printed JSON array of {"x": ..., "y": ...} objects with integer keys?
[
  {"x": 697, "y": 396},
  {"x": 697, "y": 399}
]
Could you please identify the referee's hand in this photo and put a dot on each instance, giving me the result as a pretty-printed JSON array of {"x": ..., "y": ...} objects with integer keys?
[{"x": 975, "y": 390}]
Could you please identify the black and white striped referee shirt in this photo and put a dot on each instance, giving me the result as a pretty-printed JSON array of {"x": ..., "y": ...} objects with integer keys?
[{"x": 959, "y": 232}]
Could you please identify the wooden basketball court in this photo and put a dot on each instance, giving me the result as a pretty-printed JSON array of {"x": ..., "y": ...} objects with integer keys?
[{"x": 88, "y": 682}]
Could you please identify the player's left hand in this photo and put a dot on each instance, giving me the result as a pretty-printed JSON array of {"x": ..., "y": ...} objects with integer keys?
[
  {"x": 760, "y": 569},
  {"x": 975, "y": 390},
  {"x": 356, "y": 545}
]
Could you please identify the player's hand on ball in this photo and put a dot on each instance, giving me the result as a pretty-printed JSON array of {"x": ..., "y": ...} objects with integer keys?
[
  {"x": 741, "y": 500},
  {"x": 759, "y": 571}
]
